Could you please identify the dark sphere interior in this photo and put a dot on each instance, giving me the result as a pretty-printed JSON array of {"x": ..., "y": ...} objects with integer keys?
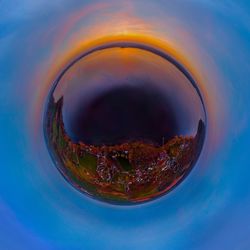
[{"x": 124, "y": 114}]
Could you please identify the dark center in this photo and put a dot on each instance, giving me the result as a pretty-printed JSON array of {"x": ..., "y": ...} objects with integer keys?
[{"x": 123, "y": 114}]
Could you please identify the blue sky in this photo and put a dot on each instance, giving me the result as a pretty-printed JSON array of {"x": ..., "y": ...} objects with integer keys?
[{"x": 209, "y": 210}]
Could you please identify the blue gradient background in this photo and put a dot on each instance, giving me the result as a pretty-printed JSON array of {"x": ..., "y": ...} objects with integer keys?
[{"x": 209, "y": 210}]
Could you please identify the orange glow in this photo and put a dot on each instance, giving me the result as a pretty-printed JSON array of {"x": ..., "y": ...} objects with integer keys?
[{"x": 124, "y": 28}]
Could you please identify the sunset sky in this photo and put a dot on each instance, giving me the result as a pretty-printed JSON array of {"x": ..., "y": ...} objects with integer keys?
[{"x": 40, "y": 210}]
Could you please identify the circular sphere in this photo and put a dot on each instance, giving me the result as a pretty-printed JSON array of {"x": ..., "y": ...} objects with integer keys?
[{"x": 124, "y": 123}]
